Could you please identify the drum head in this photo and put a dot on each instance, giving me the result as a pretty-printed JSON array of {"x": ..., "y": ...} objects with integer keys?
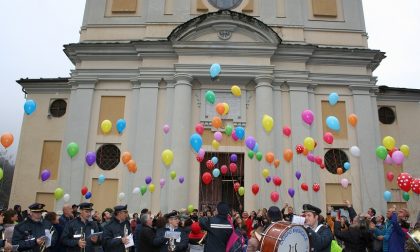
[{"x": 295, "y": 239}]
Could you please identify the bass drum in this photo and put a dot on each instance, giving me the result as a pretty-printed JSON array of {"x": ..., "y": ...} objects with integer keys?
[{"x": 284, "y": 237}]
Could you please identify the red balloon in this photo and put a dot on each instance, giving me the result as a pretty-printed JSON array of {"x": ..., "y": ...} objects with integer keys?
[
  {"x": 274, "y": 196},
  {"x": 255, "y": 189},
  {"x": 199, "y": 128},
  {"x": 328, "y": 138},
  {"x": 236, "y": 186},
  {"x": 233, "y": 167},
  {"x": 224, "y": 169},
  {"x": 390, "y": 176},
  {"x": 415, "y": 185},
  {"x": 318, "y": 160},
  {"x": 404, "y": 181},
  {"x": 390, "y": 152},
  {"x": 322, "y": 166},
  {"x": 287, "y": 131},
  {"x": 316, "y": 187},
  {"x": 299, "y": 149},
  {"x": 199, "y": 159},
  {"x": 209, "y": 164},
  {"x": 206, "y": 178},
  {"x": 277, "y": 180},
  {"x": 304, "y": 187},
  {"x": 84, "y": 190}
]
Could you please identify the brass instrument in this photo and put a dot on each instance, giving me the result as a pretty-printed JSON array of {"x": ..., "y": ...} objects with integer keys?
[
  {"x": 202, "y": 239},
  {"x": 82, "y": 237},
  {"x": 171, "y": 244},
  {"x": 414, "y": 239},
  {"x": 125, "y": 235},
  {"x": 43, "y": 245}
]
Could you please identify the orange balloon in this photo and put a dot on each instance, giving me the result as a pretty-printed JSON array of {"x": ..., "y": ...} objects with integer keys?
[
  {"x": 339, "y": 170},
  {"x": 125, "y": 157},
  {"x": 6, "y": 139},
  {"x": 269, "y": 157},
  {"x": 305, "y": 151},
  {"x": 288, "y": 155},
  {"x": 352, "y": 119},
  {"x": 276, "y": 163},
  {"x": 216, "y": 122},
  {"x": 220, "y": 108},
  {"x": 132, "y": 166}
]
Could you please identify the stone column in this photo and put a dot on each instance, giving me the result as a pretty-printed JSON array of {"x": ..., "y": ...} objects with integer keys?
[
  {"x": 264, "y": 105},
  {"x": 72, "y": 172},
  {"x": 372, "y": 184},
  {"x": 181, "y": 131}
]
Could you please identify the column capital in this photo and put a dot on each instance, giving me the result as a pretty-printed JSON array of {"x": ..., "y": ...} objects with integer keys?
[
  {"x": 183, "y": 79},
  {"x": 264, "y": 80}
]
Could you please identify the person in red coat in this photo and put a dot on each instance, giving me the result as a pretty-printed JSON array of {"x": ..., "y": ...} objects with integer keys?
[{"x": 248, "y": 223}]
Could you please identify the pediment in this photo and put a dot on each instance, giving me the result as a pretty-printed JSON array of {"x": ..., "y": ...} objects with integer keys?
[{"x": 224, "y": 26}]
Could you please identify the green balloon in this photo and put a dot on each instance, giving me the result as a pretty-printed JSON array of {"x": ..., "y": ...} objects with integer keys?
[
  {"x": 250, "y": 154},
  {"x": 72, "y": 149},
  {"x": 241, "y": 191},
  {"x": 58, "y": 193},
  {"x": 172, "y": 175},
  {"x": 228, "y": 129},
  {"x": 259, "y": 155},
  {"x": 143, "y": 189},
  {"x": 381, "y": 152},
  {"x": 210, "y": 97},
  {"x": 406, "y": 196},
  {"x": 190, "y": 208},
  {"x": 1, "y": 173}
]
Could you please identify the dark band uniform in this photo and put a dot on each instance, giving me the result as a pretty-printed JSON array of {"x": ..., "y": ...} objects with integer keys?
[
  {"x": 163, "y": 242},
  {"x": 72, "y": 232},
  {"x": 321, "y": 239},
  {"x": 113, "y": 230},
  {"x": 26, "y": 232}
]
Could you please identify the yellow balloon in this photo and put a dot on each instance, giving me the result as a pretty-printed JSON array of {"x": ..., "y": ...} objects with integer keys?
[
  {"x": 151, "y": 188},
  {"x": 106, "y": 126},
  {"x": 265, "y": 172},
  {"x": 215, "y": 144},
  {"x": 388, "y": 142},
  {"x": 267, "y": 123},
  {"x": 405, "y": 150},
  {"x": 236, "y": 91},
  {"x": 309, "y": 143},
  {"x": 167, "y": 157},
  {"x": 226, "y": 108}
]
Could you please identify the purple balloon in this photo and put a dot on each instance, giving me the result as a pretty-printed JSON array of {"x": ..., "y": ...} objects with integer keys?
[
  {"x": 233, "y": 158},
  {"x": 90, "y": 158},
  {"x": 162, "y": 182},
  {"x": 218, "y": 136},
  {"x": 298, "y": 174},
  {"x": 181, "y": 179},
  {"x": 397, "y": 157},
  {"x": 250, "y": 142},
  {"x": 268, "y": 179},
  {"x": 201, "y": 153},
  {"x": 311, "y": 157},
  {"x": 291, "y": 192},
  {"x": 148, "y": 180},
  {"x": 45, "y": 175}
]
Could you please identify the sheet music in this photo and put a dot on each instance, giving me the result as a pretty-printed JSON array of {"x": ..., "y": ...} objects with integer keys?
[
  {"x": 48, "y": 237},
  {"x": 130, "y": 241},
  {"x": 298, "y": 220}
]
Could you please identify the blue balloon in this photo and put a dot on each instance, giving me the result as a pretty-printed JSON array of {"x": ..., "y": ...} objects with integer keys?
[
  {"x": 214, "y": 160},
  {"x": 255, "y": 148},
  {"x": 347, "y": 165},
  {"x": 101, "y": 179},
  {"x": 240, "y": 132},
  {"x": 29, "y": 107},
  {"x": 215, "y": 70},
  {"x": 333, "y": 98},
  {"x": 333, "y": 123},
  {"x": 121, "y": 124},
  {"x": 387, "y": 196},
  {"x": 216, "y": 173},
  {"x": 88, "y": 195},
  {"x": 196, "y": 141}
]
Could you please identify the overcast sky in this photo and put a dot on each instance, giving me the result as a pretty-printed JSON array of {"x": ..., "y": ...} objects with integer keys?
[{"x": 34, "y": 32}]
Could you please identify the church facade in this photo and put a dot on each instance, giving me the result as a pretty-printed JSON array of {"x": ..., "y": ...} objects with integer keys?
[{"x": 148, "y": 63}]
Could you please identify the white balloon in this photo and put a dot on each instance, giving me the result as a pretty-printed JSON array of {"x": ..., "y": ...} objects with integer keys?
[
  {"x": 344, "y": 182},
  {"x": 136, "y": 190},
  {"x": 66, "y": 197},
  {"x": 355, "y": 151},
  {"x": 121, "y": 196}
]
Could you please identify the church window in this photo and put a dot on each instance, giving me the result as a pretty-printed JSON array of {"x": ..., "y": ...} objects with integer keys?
[{"x": 108, "y": 156}]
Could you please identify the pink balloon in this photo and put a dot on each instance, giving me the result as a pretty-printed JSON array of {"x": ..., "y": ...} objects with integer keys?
[
  {"x": 308, "y": 116},
  {"x": 287, "y": 131},
  {"x": 201, "y": 153},
  {"x": 328, "y": 138},
  {"x": 310, "y": 157},
  {"x": 162, "y": 182},
  {"x": 218, "y": 136},
  {"x": 234, "y": 137},
  {"x": 166, "y": 128},
  {"x": 344, "y": 182},
  {"x": 388, "y": 160},
  {"x": 397, "y": 157}
]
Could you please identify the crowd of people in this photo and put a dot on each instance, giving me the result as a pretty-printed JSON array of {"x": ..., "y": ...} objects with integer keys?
[{"x": 81, "y": 228}]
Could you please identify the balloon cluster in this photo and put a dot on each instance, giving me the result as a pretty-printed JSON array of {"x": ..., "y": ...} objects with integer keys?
[
  {"x": 106, "y": 126},
  {"x": 127, "y": 160},
  {"x": 390, "y": 154}
]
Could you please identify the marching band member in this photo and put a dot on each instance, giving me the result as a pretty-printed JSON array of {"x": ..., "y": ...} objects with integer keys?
[{"x": 320, "y": 235}]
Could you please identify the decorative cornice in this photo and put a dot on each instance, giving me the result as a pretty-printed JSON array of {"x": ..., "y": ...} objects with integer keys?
[
  {"x": 47, "y": 85},
  {"x": 183, "y": 79},
  {"x": 264, "y": 80}
]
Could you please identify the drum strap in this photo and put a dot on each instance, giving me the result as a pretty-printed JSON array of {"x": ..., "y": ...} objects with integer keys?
[{"x": 317, "y": 228}]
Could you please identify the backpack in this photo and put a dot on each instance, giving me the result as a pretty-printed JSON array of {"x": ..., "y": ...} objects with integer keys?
[{"x": 236, "y": 242}]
